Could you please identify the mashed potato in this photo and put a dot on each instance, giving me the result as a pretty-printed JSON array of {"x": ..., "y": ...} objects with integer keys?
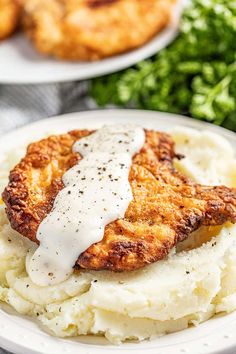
[{"x": 187, "y": 288}]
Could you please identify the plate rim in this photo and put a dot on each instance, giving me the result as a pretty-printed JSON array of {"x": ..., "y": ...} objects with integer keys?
[
  {"x": 190, "y": 122},
  {"x": 111, "y": 114}
]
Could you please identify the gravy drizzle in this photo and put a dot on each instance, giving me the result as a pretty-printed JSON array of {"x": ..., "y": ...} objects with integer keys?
[{"x": 96, "y": 192}]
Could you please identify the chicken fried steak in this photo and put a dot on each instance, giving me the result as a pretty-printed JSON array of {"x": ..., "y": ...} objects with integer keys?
[{"x": 166, "y": 208}]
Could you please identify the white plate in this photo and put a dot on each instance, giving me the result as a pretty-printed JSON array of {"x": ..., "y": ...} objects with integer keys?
[
  {"x": 21, "y": 64},
  {"x": 23, "y": 336}
]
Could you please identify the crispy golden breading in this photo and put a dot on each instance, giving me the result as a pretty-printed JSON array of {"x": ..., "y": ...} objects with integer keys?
[
  {"x": 93, "y": 29},
  {"x": 166, "y": 208},
  {"x": 10, "y": 11}
]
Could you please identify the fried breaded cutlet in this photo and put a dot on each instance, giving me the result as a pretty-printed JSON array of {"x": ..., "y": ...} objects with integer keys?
[
  {"x": 93, "y": 29},
  {"x": 166, "y": 208},
  {"x": 10, "y": 11}
]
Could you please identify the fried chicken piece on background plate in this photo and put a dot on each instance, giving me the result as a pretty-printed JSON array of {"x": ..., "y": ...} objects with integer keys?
[
  {"x": 10, "y": 11},
  {"x": 93, "y": 29},
  {"x": 166, "y": 208}
]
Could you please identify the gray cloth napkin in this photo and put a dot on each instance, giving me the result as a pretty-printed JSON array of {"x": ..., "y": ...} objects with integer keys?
[{"x": 22, "y": 104}]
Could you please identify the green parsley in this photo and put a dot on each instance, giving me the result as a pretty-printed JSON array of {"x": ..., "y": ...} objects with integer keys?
[{"x": 195, "y": 75}]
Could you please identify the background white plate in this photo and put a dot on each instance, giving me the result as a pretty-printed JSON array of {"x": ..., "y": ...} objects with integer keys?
[
  {"x": 21, "y": 64},
  {"x": 23, "y": 336}
]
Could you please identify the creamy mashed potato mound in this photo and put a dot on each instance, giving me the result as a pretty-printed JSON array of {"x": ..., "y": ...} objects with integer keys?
[{"x": 194, "y": 283}]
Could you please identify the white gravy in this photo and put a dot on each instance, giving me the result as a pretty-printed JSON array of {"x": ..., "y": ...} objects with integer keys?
[{"x": 96, "y": 192}]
